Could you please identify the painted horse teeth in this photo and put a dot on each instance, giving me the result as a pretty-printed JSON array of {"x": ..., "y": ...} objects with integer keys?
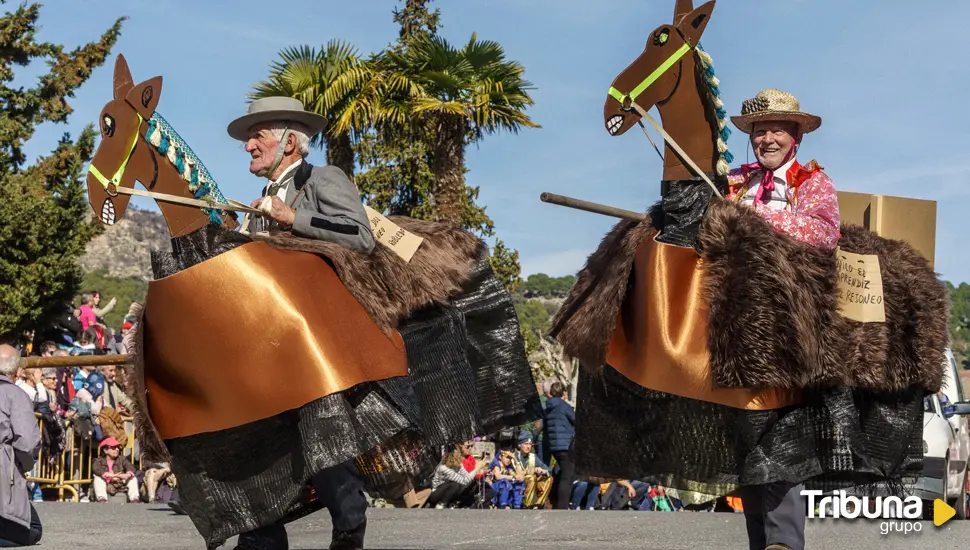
[{"x": 108, "y": 212}]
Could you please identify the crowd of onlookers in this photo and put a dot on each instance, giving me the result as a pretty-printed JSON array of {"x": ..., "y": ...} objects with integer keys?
[
  {"x": 535, "y": 470},
  {"x": 87, "y": 410}
]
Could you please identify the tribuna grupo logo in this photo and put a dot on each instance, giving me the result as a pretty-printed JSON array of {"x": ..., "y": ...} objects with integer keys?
[{"x": 840, "y": 505}]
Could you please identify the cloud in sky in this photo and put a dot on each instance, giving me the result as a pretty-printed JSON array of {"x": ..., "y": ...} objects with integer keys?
[{"x": 886, "y": 79}]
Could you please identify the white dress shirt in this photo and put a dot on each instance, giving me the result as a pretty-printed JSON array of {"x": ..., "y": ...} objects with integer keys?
[
  {"x": 283, "y": 177},
  {"x": 779, "y": 197}
]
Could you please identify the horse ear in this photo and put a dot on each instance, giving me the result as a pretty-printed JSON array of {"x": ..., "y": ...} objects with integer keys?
[
  {"x": 123, "y": 81},
  {"x": 682, "y": 8},
  {"x": 692, "y": 25},
  {"x": 144, "y": 97}
]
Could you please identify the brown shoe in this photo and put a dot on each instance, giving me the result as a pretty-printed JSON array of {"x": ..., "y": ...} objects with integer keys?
[{"x": 778, "y": 546}]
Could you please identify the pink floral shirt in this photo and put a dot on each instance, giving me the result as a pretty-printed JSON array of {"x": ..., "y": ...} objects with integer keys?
[{"x": 812, "y": 214}]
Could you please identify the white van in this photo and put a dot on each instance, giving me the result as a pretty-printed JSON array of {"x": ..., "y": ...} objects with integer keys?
[{"x": 946, "y": 444}]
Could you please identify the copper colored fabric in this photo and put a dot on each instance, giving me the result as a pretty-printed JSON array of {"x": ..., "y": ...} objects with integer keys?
[
  {"x": 252, "y": 333},
  {"x": 660, "y": 340}
]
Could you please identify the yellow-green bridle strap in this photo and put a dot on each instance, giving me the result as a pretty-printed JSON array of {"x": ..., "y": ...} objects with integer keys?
[
  {"x": 116, "y": 179},
  {"x": 652, "y": 77}
]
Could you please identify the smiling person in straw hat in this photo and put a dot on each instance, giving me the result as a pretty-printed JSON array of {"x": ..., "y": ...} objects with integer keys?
[
  {"x": 799, "y": 200},
  {"x": 310, "y": 201}
]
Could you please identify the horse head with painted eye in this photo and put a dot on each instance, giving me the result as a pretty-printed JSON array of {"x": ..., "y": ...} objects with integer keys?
[
  {"x": 674, "y": 74},
  {"x": 138, "y": 144}
]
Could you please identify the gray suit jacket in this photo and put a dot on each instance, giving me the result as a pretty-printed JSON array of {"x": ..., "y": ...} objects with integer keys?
[{"x": 328, "y": 208}]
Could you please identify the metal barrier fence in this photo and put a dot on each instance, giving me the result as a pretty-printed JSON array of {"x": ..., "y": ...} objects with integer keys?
[{"x": 71, "y": 471}]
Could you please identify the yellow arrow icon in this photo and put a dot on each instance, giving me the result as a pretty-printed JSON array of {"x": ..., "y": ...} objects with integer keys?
[{"x": 942, "y": 512}]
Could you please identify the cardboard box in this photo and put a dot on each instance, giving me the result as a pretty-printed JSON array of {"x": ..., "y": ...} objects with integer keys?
[{"x": 909, "y": 220}]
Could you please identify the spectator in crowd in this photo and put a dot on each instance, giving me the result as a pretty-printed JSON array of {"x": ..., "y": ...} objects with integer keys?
[
  {"x": 86, "y": 344},
  {"x": 114, "y": 396},
  {"x": 473, "y": 465},
  {"x": 86, "y": 406},
  {"x": 116, "y": 344},
  {"x": 86, "y": 309},
  {"x": 625, "y": 494},
  {"x": 100, "y": 312},
  {"x": 538, "y": 482},
  {"x": 64, "y": 390},
  {"x": 559, "y": 422},
  {"x": 113, "y": 473},
  {"x": 450, "y": 479},
  {"x": 20, "y": 439},
  {"x": 508, "y": 485}
]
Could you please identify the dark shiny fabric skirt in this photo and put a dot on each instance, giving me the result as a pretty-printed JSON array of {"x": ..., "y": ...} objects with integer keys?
[
  {"x": 467, "y": 376},
  {"x": 835, "y": 439}
]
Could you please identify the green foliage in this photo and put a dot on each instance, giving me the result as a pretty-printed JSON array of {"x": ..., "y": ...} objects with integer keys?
[
  {"x": 123, "y": 289},
  {"x": 505, "y": 264},
  {"x": 534, "y": 319},
  {"x": 42, "y": 207},
  {"x": 401, "y": 118},
  {"x": 540, "y": 284}
]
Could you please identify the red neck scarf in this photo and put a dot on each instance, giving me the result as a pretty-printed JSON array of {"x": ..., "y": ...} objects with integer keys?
[{"x": 767, "y": 186}]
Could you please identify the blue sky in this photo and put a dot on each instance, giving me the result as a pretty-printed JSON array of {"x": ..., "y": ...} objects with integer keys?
[{"x": 889, "y": 80}]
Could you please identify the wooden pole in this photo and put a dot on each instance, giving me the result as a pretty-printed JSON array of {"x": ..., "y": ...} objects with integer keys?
[
  {"x": 164, "y": 197},
  {"x": 592, "y": 207},
  {"x": 75, "y": 361}
]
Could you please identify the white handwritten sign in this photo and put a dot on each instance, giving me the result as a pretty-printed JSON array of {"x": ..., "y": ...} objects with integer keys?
[
  {"x": 401, "y": 242},
  {"x": 859, "y": 284}
]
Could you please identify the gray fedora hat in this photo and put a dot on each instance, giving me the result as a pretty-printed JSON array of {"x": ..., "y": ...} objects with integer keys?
[{"x": 275, "y": 109}]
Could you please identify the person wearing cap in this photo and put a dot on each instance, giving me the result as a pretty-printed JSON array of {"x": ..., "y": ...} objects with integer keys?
[
  {"x": 801, "y": 202},
  {"x": 113, "y": 473},
  {"x": 538, "y": 483},
  {"x": 317, "y": 202},
  {"x": 798, "y": 200}
]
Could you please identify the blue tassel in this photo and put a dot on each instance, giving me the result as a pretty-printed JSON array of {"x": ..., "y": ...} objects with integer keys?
[
  {"x": 202, "y": 191},
  {"x": 194, "y": 183},
  {"x": 728, "y": 157},
  {"x": 214, "y": 216},
  {"x": 721, "y": 113},
  {"x": 163, "y": 146},
  {"x": 152, "y": 123},
  {"x": 180, "y": 162}
]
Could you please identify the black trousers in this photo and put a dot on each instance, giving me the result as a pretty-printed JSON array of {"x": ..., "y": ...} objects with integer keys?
[
  {"x": 20, "y": 535},
  {"x": 567, "y": 474},
  {"x": 340, "y": 489},
  {"x": 445, "y": 494},
  {"x": 774, "y": 513}
]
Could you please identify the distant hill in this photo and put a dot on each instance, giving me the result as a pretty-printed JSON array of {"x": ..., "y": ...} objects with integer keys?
[{"x": 123, "y": 250}]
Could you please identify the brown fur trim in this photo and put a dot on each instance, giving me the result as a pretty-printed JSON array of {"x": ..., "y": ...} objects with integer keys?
[
  {"x": 388, "y": 288},
  {"x": 585, "y": 321},
  {"x": 773, "y": 319},
  {"x": 917, "y": 316},
  {"x": 149, "y": 441}
]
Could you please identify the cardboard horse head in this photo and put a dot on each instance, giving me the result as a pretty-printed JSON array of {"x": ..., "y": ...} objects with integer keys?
[
  {"x": 126, "y": 154},
  {"x": 677, "y": 77}
]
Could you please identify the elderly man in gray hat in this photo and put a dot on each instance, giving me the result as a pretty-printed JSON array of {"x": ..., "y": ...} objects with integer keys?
[{"x": 317, "y": 202}]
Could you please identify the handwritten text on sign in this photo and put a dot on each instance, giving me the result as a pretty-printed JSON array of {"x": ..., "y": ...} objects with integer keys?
[
  {"x": 859, "y": 283},
  {"x": 401, "y": 242}
]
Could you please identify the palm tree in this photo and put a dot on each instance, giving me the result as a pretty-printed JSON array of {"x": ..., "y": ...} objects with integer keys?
[
  {"x": 459, "y": 96},
  {"x": 334, "y": 82}
]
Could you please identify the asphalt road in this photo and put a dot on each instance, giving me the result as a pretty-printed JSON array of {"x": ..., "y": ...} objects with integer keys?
[{"x": 134, "y": 526}]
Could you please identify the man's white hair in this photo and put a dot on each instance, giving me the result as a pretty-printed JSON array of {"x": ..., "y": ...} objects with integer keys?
[
  {"x": 299, "y": 131},
  {"x": 8, "y": 365}
]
